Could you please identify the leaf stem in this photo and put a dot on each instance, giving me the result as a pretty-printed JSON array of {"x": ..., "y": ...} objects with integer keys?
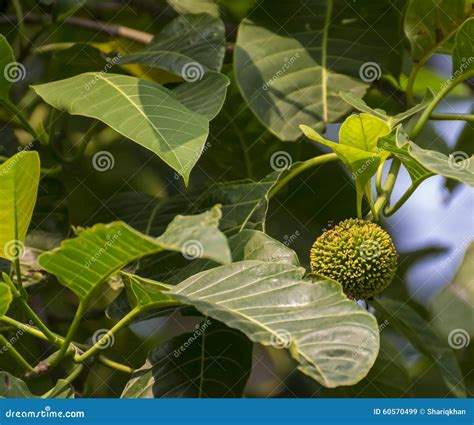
[
  {"x": 115, "y": 365},
  {"x": 105, "y": 338},
  {"x": 317, "y": 160},
  {"x": 425, "y": 116},
  {"x": 18, "y": 357},
  {"x": 14, "y": 110},
  {"x": 390, "y": 210},
  {"x": 452, "y": 117},
  {"x": 384, "y": 198}
]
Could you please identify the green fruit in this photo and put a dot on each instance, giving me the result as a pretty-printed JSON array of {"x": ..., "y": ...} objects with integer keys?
[{"x": 358, "y": 254}]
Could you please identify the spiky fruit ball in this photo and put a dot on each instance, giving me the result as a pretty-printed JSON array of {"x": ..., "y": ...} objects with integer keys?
[{"x": 358, "y": 254}]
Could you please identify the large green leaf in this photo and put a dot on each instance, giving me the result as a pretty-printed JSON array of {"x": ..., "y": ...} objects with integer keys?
[
  {"x": 19, "y": 179},
  {"x": 195, "y": 6},
  {"x": 458, "y": 166},
  {"x": 12, "y": 387},
  {"x": 213, "y": 361},
  {"x": 7, "y": 68},
  {"x": 82, "y": 263},
  {"x": 332, "y": 338},
  {"x": 292, "y": 60},
  {"x": 143, "y": 111},
  {"x": 463, "y": 53},
  {"x": 5, "y": 298},
  {"x": 429, "y": 23},
  {"x": 425, "y": 339},
  {"x": 452, "y": 307},
  {"x": 187, "y": 46}
]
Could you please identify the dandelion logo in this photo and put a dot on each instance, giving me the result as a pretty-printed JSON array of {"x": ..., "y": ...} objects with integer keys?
[
  {"x": 370, "y": 71},
  {"x": 103, "y": 338},
  {"x": 14, "y": 249},
  {"x": 103, "y": 161},
  {"x": 458, "y": 338},
  {"x": 458, "y": 160},
  {"x": 14, "y": 72},
  {"x": 281, "y": 160},
  {"x": 192, "y": 72},
  {"x": 281, "y": 338},
  {"x": 369, "y": 250},
  {"x": 192, "y": 249}
]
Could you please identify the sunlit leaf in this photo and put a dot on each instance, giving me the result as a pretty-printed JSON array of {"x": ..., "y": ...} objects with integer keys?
[
  {"x": 19, "y": 179},
  {"x": 143, "y": 111},
  {"x": 269, "y": 302}
]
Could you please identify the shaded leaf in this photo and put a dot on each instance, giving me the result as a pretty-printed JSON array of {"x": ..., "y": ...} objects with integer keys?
[
  {"x": 12, "y": 387},
  {"x": 290, "y": 71},
  {"x": 429, "y": 22},
  {"x": 195, "y": 6},
  {"x": 463, "y": 52},
  {"x": 82, "y": 263},
  {"x": 19, "y": 179},
  {"x": 452, "y": 307},
  {"x": 214, "y": 361},
  {"x": 272, "y": 305},
  {"x": 5, "y": 298},
  {"x": 143, "y": 111},
  {"x": 187, "y": 46},
  {"x": 7, "y": 67},
  {"x": 425, "y": 339}
]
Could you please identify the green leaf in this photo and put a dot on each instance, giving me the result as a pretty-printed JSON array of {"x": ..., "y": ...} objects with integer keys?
[
  {"x": 359, "y": 104},
  {"x": 19, "y": 179},
  {"x": 363, "y": 164},
  {"x": 397, "y": 144},
  {"x": 463, "y": 53},
  {"x": 458, "y": 165},
  {"x": 255, "y": 245},
  {"x": 323, "y": 331},
  {"x": 5, "y": 298},
  {"x": 430, "y": 22},
  {"x": 425, "y": 339},
  {"x": 84, "y": 262},
  {"x": 7, "y": 67},
  {"x": 66, "y": 8},
  {"x": 12, "y": 387},
  {"x": 451, "y": 308},
  {"x": 187, "y": 46},
  {"x": 213, "y": 361},
  {"x": 143, "y": 111},
  {"x": 290, "y": 71},
  {"x": 195, "y": 6},
  {"x": 196, "y": 95},
  {"x": 362, "y": 131}
]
